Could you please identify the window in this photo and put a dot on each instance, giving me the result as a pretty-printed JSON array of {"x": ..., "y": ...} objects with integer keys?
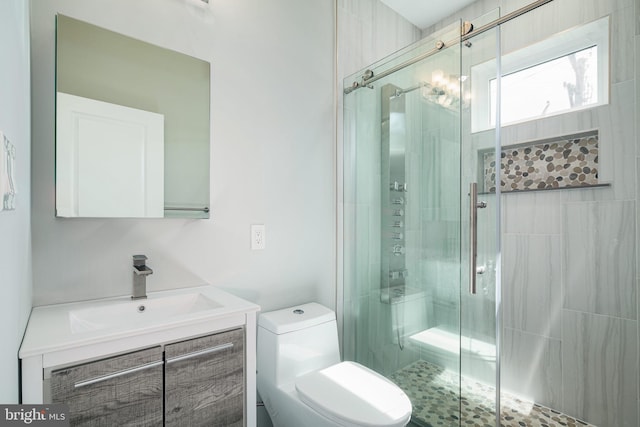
[
  {"x": 552, "y": 87},
  {"x": 566, "y": 72}
]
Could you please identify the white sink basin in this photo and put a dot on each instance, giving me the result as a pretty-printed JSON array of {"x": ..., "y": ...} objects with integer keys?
[
  {"x": 73, "y": 333},
  {"x": 138, "y": 312},
  {"x": 119, "y": 323}
]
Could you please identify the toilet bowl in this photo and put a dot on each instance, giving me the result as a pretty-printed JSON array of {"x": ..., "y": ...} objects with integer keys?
[{"x": 303, "y": 383}]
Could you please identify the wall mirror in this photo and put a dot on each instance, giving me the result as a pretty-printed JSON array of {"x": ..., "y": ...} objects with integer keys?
[{"x": 132, "y": 127}]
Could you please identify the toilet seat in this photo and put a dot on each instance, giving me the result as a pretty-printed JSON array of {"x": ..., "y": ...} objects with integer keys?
[{"x": 350, "y": 394}]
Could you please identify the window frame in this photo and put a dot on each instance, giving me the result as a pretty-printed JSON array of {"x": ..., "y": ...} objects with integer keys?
[{"x": 595, "y": 33}]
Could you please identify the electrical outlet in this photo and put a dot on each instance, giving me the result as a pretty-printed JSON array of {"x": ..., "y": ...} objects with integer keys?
[{"x": 257, "y": 236}]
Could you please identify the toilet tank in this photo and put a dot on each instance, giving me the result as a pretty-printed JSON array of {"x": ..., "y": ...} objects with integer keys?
[{"x": 294, "y": 341}]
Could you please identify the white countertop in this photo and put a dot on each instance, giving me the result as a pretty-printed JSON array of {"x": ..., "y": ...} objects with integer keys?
[{"x": 55, "y": 328}]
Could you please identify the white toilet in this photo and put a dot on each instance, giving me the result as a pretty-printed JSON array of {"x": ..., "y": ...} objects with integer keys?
[{"x": 303, "y": 383}]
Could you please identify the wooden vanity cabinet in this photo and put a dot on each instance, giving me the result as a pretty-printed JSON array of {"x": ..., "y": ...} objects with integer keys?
[
  {"x": 196, "y": 382},
  {"x": 124, "y": 390},
  {"x": 200, "y": 380},
  {"x": 204, "y": 381}
]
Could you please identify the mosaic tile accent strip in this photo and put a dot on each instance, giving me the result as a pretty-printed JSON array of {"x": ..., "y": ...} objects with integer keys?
[
  {"x": 434, "y": 395},
  {"x": 570, "y": 161}
]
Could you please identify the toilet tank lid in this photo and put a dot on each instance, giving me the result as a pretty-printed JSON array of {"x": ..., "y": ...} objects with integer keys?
[{"x": 295, "y": 318}]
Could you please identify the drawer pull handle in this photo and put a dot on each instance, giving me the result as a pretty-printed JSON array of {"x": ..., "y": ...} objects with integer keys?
[
  {"x": 118, "y": 374},
  {"x": 200, "y": 353}
]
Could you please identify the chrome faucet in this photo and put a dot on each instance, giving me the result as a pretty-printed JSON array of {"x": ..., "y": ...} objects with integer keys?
[{"x": 140, "y": 273}]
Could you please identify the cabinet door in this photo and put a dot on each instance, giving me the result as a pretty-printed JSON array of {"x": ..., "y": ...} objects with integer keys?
[
  {"x": 119, "y": 391},
  {"x": 204, "y": 381}
]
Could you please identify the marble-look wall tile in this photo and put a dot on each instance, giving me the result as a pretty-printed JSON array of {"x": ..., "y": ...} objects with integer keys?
[
  {"x": 353, "y": 315},
  {"x": 600, "y": 369},
  {"x": 355, "y": 48},
  {"x": 532, "y": 367},
  {"x": 362, "y": 255},
  {"x": 637, "y": 15},
  {"x": 618, "y": 140},
  {"x": 385, "y": 338},
  {"x": 367, "y": 247},
  {"x": 391, "y": 32},
  {"x": 350, "y": 292},
  {"x": 541, "y": 22},
  {"x": 623, "y": 21},
  {"x": 637, "y": 92},
  {"x": 532, "y": 213},
  {"x": 508, "y": 6},
  {"x": 617, "y": 147},
  {"x": 622, "y": 54},
  {"x": 367, "y": 32},
  {"x": 478, "y": 316},
  {"x": 637, "y": 129},
  {"x": 471, "y": 12},
  {"x": 532, "y": 284},
  {"x": 637, "y": 219},
  {"x": 361, "y": 8},
  {"x": 599, "y": 258}
]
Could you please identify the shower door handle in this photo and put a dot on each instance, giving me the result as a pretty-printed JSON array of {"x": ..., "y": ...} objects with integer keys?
[{"x": 474, "y": 205}]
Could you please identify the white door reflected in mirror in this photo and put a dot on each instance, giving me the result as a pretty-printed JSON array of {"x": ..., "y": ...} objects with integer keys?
[{"x": 109, "y": 160}]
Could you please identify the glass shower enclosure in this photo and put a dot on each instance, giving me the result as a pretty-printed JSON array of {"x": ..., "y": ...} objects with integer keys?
[{"x": 421, "y": 259}]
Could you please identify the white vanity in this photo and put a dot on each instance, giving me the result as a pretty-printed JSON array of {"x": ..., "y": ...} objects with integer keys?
[{"x": 177, "y": 356}]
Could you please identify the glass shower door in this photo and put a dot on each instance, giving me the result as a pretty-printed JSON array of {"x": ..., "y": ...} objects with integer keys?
[
  {"x": 480, "y": 293},
  {"x": 408, "y": 168}
]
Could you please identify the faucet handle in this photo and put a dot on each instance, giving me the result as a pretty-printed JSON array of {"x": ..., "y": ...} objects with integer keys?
[{"x": 139, "y": 259}]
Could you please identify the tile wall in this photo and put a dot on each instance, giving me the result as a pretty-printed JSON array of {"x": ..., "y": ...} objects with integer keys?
[
  {"x": 569, "y": 272},
  {"x": 570, "y": 266},
  {"x": 367, "y": 31}
]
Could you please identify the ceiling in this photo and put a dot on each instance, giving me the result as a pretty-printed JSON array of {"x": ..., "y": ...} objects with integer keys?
[{"x": 424, "y": 13}]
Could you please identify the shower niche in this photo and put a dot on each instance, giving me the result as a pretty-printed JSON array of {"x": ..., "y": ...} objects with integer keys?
[{"x": 567, "y": 161}]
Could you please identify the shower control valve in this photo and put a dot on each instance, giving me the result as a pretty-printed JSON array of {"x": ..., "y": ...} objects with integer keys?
[
  {"x": 398, "y": 250},
  {"x": 396, "y": 186},
  {"x": 398, "y": 274}
]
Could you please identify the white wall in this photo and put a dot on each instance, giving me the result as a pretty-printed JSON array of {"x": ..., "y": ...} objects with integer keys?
[
  {"x": 272, "y": 157},
  {"x": 15, "y": 247}
]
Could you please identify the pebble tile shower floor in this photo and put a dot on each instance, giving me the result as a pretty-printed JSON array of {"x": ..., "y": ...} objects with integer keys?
[{"x": 434, "y": 396}]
